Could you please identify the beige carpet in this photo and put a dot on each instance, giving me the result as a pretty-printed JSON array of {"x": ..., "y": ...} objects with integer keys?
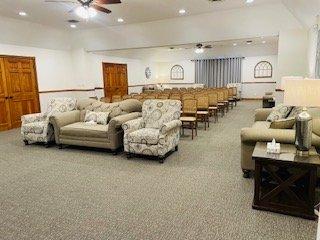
[{"x": 198, "y": 193}]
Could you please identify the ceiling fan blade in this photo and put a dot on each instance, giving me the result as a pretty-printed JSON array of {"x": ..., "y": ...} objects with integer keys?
[
  {"x": 60, "y": 1},
  {"x": 107, "y": 1},
  {"x": 101, "y": 9}
]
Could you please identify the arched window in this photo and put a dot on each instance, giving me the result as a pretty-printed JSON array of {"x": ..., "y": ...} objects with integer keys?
[
  {"x": 263, "y": 70},
  {"x": 177, "y": 72}
]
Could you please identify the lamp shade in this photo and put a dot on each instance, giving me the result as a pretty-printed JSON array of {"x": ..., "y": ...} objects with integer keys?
[
  {"x": 304, "y": 93},
  {"x": 284, "y": 79}
]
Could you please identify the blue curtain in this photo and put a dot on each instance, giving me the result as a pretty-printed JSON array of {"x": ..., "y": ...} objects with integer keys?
[{"x": 218, "y": 72}]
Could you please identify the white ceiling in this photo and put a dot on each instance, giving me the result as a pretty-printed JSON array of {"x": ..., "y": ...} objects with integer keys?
[
  {"x": 133, "y": 11},
  {"x": 259, "y": 46}
]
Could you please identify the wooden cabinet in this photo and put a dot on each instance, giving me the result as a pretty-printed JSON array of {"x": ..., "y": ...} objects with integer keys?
[
  {"x": 18, "y": 90},
  {"x": 115, "y": 79}
]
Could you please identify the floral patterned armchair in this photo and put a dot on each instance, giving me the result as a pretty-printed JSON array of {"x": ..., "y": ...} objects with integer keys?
[
  {"x": 36, "y": 127},
  {"x": 157, "y": 133}
]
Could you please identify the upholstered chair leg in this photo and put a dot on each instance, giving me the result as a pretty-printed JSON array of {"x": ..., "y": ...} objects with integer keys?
[
  {"x": 176, "y": 148},
  {"x": 26, "y": 142},
  {"x": 161, "y": 159},
  {"x": 129, "y": 155},
  {"x": 246, "y": 173}
]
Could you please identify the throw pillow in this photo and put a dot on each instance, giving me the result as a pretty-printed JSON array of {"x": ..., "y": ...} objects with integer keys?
[
  {"x": 295, "y": 111},
  {"x": 279, "y": 112},
  {"x": 286, "y": 123},
  {"x": 98, "y": 117}
]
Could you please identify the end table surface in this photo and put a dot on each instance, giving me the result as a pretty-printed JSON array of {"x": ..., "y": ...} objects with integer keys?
[{"x": 287, "y": 154}]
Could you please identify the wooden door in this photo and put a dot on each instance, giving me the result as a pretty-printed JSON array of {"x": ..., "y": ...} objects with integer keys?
[
  {"x": 22, "y": 88},
  {"x": 115, "y": 79},
  {"x": 5, "y": 122}
]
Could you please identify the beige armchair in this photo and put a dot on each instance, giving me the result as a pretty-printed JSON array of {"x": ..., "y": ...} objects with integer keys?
[
  {"x": 157, "y": 133},
  {"x": 35, "y": 127}
]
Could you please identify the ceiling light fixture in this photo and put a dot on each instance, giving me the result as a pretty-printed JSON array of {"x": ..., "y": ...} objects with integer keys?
[
  {"x": 182, "y": 11},
  {"x": 249, "y": 1},
  {"x": 23, "y": 14},
  {"x": 199, "y": 50},
  {"x": 249, "y": 42},
  {"x": 264, "y": 42},
  {"x": 235, "y": 44},
  {"x": 120, "y": 20},
  {"x": 73, "y": 26},
  {"x": 86, "y": 12}
]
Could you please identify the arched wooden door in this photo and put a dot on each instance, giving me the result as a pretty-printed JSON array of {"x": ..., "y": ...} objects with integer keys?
[{"x": 115, "y": 78}]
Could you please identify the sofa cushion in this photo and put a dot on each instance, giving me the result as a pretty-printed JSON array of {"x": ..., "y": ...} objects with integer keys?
[
  {"x": 82, "y": 129},
  {"x": 261, "y": 125},
  {"x": 97, "y": 117},
  {"x": 34, "y": 127},
  {"x": 286, "y": 123},
  {"x": 279, "y": 112},
  {"x": 144, "y": 136}
]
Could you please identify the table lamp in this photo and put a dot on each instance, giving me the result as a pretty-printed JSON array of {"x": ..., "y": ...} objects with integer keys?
[{"x": 303, "y": 93}]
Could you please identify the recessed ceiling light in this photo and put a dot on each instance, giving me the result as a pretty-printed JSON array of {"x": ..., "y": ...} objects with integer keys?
[
  {"x": 199, "y": 50},
  {"x": 249, "y": 1},
  {"x": 73, "y": 26},
  {"x": 182, "y": 11},
  {"x": 264, "y": 42},
  {"x": 23, "y": 14},
  {"x": 120, "y": 20},
  {"x": 235, "y": 44}
]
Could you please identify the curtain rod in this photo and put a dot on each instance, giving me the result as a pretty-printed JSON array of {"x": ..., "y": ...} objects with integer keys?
[{"x": 216, "y": 58}]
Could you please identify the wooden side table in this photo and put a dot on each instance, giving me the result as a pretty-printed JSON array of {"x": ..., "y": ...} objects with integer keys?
[{"x": 285, "y": 183}]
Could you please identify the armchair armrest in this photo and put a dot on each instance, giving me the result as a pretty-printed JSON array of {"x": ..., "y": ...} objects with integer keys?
[
  {"x": 166, "y": 127},
  {"x": 116, "y": 122},
  {"x": 266, "y": 135},
  {"x": 262, "y": 114},
  {"x": 35, "y": 117},
  {"x": 132, "y": 125},
  {"x": 60, "y": 120}
]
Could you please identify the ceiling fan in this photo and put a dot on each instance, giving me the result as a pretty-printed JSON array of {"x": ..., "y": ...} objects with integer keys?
[{"x": 88, "y": 8}]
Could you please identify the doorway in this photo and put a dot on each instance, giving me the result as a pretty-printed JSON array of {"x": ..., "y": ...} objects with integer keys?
[
  {"x": 115, "y": 79},
  {"x": 19, "y": 93}
]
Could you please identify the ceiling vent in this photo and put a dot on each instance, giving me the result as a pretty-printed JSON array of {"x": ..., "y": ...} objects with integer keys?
[{"x": 215, "y": 0}]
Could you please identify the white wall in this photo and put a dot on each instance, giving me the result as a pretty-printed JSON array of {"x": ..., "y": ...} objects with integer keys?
[
  {"x": 256, "y": 87},
  {"x": 54, "y": 69},
  {"x": 255, "y": 21}
]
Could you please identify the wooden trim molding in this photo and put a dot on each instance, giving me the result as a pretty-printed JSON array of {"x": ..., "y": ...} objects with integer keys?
[
  {"x": 258, "y": 82},
  {"x": 70, "y": 90}
]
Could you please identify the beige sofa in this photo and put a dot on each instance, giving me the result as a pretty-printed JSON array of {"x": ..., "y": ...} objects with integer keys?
[
  {"x": 261, "y": 132},
  {"x": 70, "y": 129}
]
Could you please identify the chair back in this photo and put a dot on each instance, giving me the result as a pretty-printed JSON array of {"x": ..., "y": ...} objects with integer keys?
[
  {"x": 202, "y": 102},
  {"x": 189, "y": 107},
  {"x": 220, "y": 96},
  {"x": 187, "y": 96},
  {"x": 126, "y": 97},
  {"x": 213, "y": 99},
  {"x": 105, "y": 100},
  {"x": 157, "y": 112},
  {"x": 116, "y": 98}
]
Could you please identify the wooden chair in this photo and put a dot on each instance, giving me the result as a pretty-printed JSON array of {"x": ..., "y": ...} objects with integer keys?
[
  {"x": 203, "y": 110},
  {"x": 231, "y": 99},
  {"x": 105, "y": 100},
  {"x": 124, "y": 97},
  {"x": 163, "y": 96},
  {"x": 175, "y": 97},
  {"x": 187, "y": 96},
  {"x": 116, "y": 98},
  {"x": 213, "y": 105},
  {"x": 189, "y": 116},
  {"x": 221, "y": 104}
]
